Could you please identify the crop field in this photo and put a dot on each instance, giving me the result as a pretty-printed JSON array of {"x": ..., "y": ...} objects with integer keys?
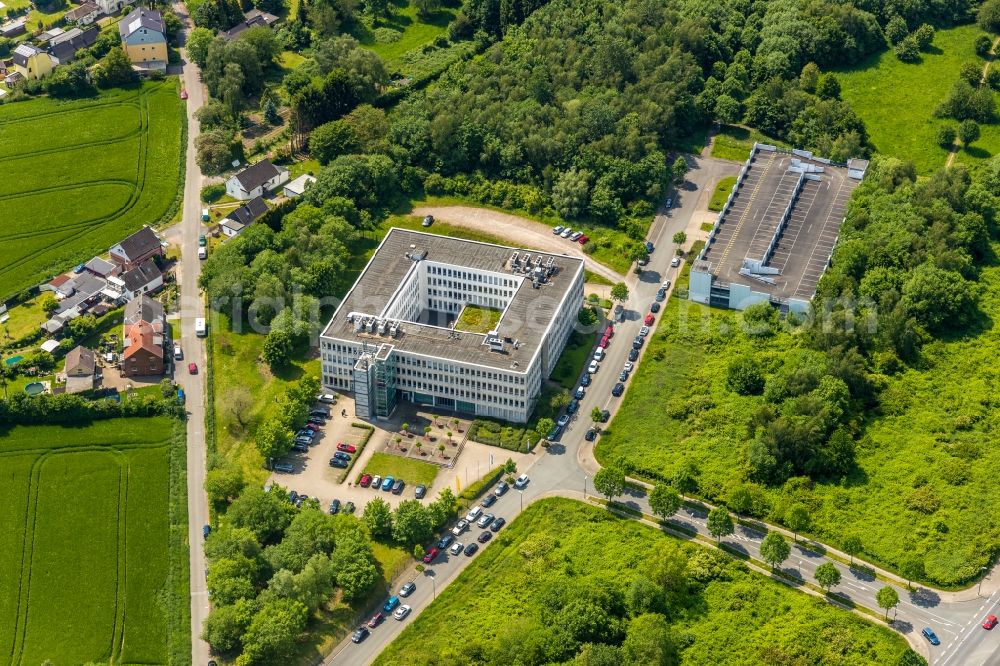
[
  {"x": 81, "y": 175},
  {"x": 929, "y": 439},
  {"x": 560, "y": 549},
  {"x": 84, "y": 541},
  {"x": 896, "y": 100}
]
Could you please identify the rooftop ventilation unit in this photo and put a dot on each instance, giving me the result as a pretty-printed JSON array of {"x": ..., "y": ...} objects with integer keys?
[
  {"x": 550, "y": 266},
  {"x": 494, "y": 340},
  {"x": 381, "y": 327},
  {"x": 514, "y": 259},
  {"x": 527, "y": 262},
  {"x": 370, "y": 324},
  {"x": 394, "y": 329}
]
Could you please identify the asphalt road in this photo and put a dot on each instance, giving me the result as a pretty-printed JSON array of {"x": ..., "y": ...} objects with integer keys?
[{"x": 194, "y": 350}]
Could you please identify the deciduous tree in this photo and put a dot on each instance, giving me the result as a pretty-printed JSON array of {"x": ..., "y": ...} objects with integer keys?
[
  {"x": 720, "y": 523},
  {"x": 774, "y": 549},
  {"x": 827, "y": 575},
  {"x": 610, "y": 482},
  {"x": 664, "y": 500},
  {"x": 887, "y": 597},
  {"x": 378, "y": 518}
]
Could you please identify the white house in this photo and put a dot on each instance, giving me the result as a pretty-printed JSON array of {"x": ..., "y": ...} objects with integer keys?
[
  {"x": 112, "y": 6},
  {"x": 143, "y": 279},
  {"x": 297, "y": 187},
  {"x": 243, "y": 217},
  {"x": 256, "y": 180},
  {"x": 85, "y": 14}
]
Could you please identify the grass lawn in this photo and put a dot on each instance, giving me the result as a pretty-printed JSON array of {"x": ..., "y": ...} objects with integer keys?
[
  {"x": 929, "y": 436},
  {"x": 240, "y": 377},
  {"x": 89, "y": 172},
  {"x": 734, "y": 143},
  {"x": 574, "y": 357},
  {"x": 477, "y": 319},
  {"x": 413, "y": 32},
  {"x": 721, "y": 193},
  {"x": 560, "y": 552},
  {"x": 595, "y": 278},
  {"x": 414, "y": 472},
  {"x": 24, "y": 319},
  {"x": 896, "y": 100},
  {"x": 108, "y": 485}
]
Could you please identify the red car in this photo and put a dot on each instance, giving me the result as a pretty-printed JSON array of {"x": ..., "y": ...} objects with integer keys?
[
  {"x": 991, "y": 621},
  {"x": 431, "y": 554},
  {"x": 376, "y": 620},
  {"x": 603, "y": 343},
  {"x": 193, "y": 368},
  {"x": 648, "y": 320},
  {"x": 346, "y": 448},
  {"x": 582, "y": 239},
  {"x": 312, "y": 426},
  {"x": 366, "y": 480},
  {"x": 609, "y": 332},
  {"x": 184, "y": 94}
]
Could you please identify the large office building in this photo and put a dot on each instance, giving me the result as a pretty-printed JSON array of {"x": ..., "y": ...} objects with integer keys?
[
  {"x": 775, "y": 236},
  {"x": 398, "y": 334}
]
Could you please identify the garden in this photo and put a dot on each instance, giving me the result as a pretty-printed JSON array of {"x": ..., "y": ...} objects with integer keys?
[
  {"x": 89, "y": 172},
  {"x": 124, "y": 597},
  {"x": 570, "y": 579}
]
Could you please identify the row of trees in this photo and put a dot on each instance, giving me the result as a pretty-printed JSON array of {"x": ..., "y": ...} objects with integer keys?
[
  {"x": 275, "y": 435},
  {"x": 272, "y": 566},
  {"x": 411, "y": 523}
]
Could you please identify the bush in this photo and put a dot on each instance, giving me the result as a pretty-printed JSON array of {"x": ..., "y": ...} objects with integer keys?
[
  {"x": 983, "y": 46},
  {"x": 907, "y": 50},
  {"x": 479, "y": 488},
  {"x": 946, "y": 135},
  {"x": 212, "y": 193}
]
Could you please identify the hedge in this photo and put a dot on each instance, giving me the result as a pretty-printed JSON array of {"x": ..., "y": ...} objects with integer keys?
[
  {"x": 478, "y": 488},
  {"x": 361, "y": 447},
  {"x": 520, "y": 438},
  {"x": 67, "y": 409}
]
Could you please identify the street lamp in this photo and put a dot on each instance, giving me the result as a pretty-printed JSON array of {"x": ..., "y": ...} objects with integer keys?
[
  {"x": 521, "y": 493},
  {"x": 584, "y": 486},
  {"x": 980, "y": 589},
  {"x": 434, "y": 587}
]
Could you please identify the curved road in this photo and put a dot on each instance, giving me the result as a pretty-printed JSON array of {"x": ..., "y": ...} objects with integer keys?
[{"x": 568, "y": 468}]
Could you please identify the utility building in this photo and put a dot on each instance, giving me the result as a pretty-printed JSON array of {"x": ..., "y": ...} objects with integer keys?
[
  {"x": 394, "y": 337},
  {"x": 775, "y": 236}
]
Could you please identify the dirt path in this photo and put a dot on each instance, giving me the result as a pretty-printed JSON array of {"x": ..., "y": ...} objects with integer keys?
[
  {"x": 529, "y": 233},
  {"x": 956, "y": 145}
]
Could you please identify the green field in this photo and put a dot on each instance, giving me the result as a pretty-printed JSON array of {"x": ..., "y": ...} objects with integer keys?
[
  {"x": 562, "y": 560},
  {"x": 412, "y": 471},
  {"x": 721, "y": 193},
  {"x": 571, "y": 361},
  {"x": 929, "y": 438},
  {"x": 734, "y": 143},
  {"x": 896, "y": 100},
  {"x": 413, "y": 31},
  {"x": 83, "y": 174},
  {"x": 85, "y": 520},
  {"x": 478, "y": 319}
]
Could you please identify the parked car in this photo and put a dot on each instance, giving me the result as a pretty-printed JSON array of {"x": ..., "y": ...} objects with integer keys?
[
  {"x": 930, "y": 636},
  {"x": 566, "y": 233},
  {"x": 407, "y": 589},
  {"x": 312, "y": 426},
  {"x": 660, "y": 295},
  {"x": 444, "y": 541},
  {"x": 603, "y": 343},
  {"x": 456, "y": 548},
  {"x": 654, "y": 307},
  {"x": 397, "y": 488},
  {"x": 553, "y": 434},
  {"x": 592, "y": 368},
  {"x": 346, "y": 448},
  {"x": 376, "y": 620},
  {"x": 665, "y": 286},
  {"x": 283, "y": 468},
  {"x": 340, "y": 455},
  {"x": 582, "y": 240},
  {"x": 599, "y": 354},
  {"x": 670, "y": 203},
  {"x": 637, "y": 342},
  {"x": 178, "y": 354},
  {"x": 428, "y": 221},
  {"x": 643, "y": 261},
  {"x": 579, "y": 393},
  {"x": 431, "y": 555},
  {"x": 618, "y": 389},
  {"x": 675, "y": 262},
  {"x": 473, "y": 514},
  {"x": 648, "y": 321},
  {"x": 629, "y": 366},
  {"x": 605, "y": 415},
  {"x": 334, "y": 507},
  {"x": 390, "y": 604},
  {"x": 317, "y": 420},
  {"x": 501, "y": 488},
  {"x": 366, "y": 480},
  {"x": 623, "y": 376},
  {"x": 349, "y": 507},
  {"x": 401, "y": 612},
  {"x": 643, "y": 331},
  {"x": 558, "y": 229},
  {"x": 521, "y": 481},
  {"x": 193, "y": 368},
  {"x": 360, "y": 634},
  {"x": 376, "y": 482},
  {"x": 387, "y": 483},
  {"x": 484, "y": 537},
  {"x": 488, "y": 501},
  {"x": 563, "y": 420},
  {"x": 471, "y": 549},
  {"x": 327, "y": 398},
  {"x": 575, "y": 235},
  {"x": 573, "y": 405},
  {"x": 633, "y": 354},
  {"x": 420, "y": 491},
  {"x": 649, "y": 247},
  {"x": 585, "y": 381},
  {"x": 300, "y": 447},
  {"x": 591, "y": 435},
  {"x": 485, "y": 520},
  {"x": 497, "y": 524},
  {"x": 202, "y": 241},
  {"x": 991, "y": 621},
  {"x": 206, "y": 530},
  {"x": 460, "y": 527}
]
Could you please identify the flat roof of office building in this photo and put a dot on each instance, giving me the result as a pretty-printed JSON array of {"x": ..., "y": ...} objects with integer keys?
[
  {"x": 795, "y": 261},
  {"x": 521, "y": 329}
]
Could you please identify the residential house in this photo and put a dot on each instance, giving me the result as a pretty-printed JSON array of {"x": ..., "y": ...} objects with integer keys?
[
  {"x": 254, "y": 18},
  {"x": 31, "y": 62},
  {"x": 85, "y": 14},
  {"x": 144, "y": 38},
  {"x": 297, "y": 187},
  {"x": 65, "y": 49},
  {"x": 101, "y": 268},
  {"x": 137, "y": 248},
  {"x": 145, "y": 278},
  {"x": 47, "y": 36},
  {"x": 12, "y": 29},
  {"x": 256, "y": 180},
  {"x": 12, "y": 79},
  {"x": 144, "y": 330},
  {"x": 110, "y": 7},
  {"x": 80, "y": 369},
  {"x": 243, "y": 217},
  {"x": 55, "y": 283}
]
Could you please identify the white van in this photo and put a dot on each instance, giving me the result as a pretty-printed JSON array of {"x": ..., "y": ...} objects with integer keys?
[
  {"x": 200, "y": 327},
  {"x": 203, "y": 253},
  {"x": 599, "y": 354}
]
